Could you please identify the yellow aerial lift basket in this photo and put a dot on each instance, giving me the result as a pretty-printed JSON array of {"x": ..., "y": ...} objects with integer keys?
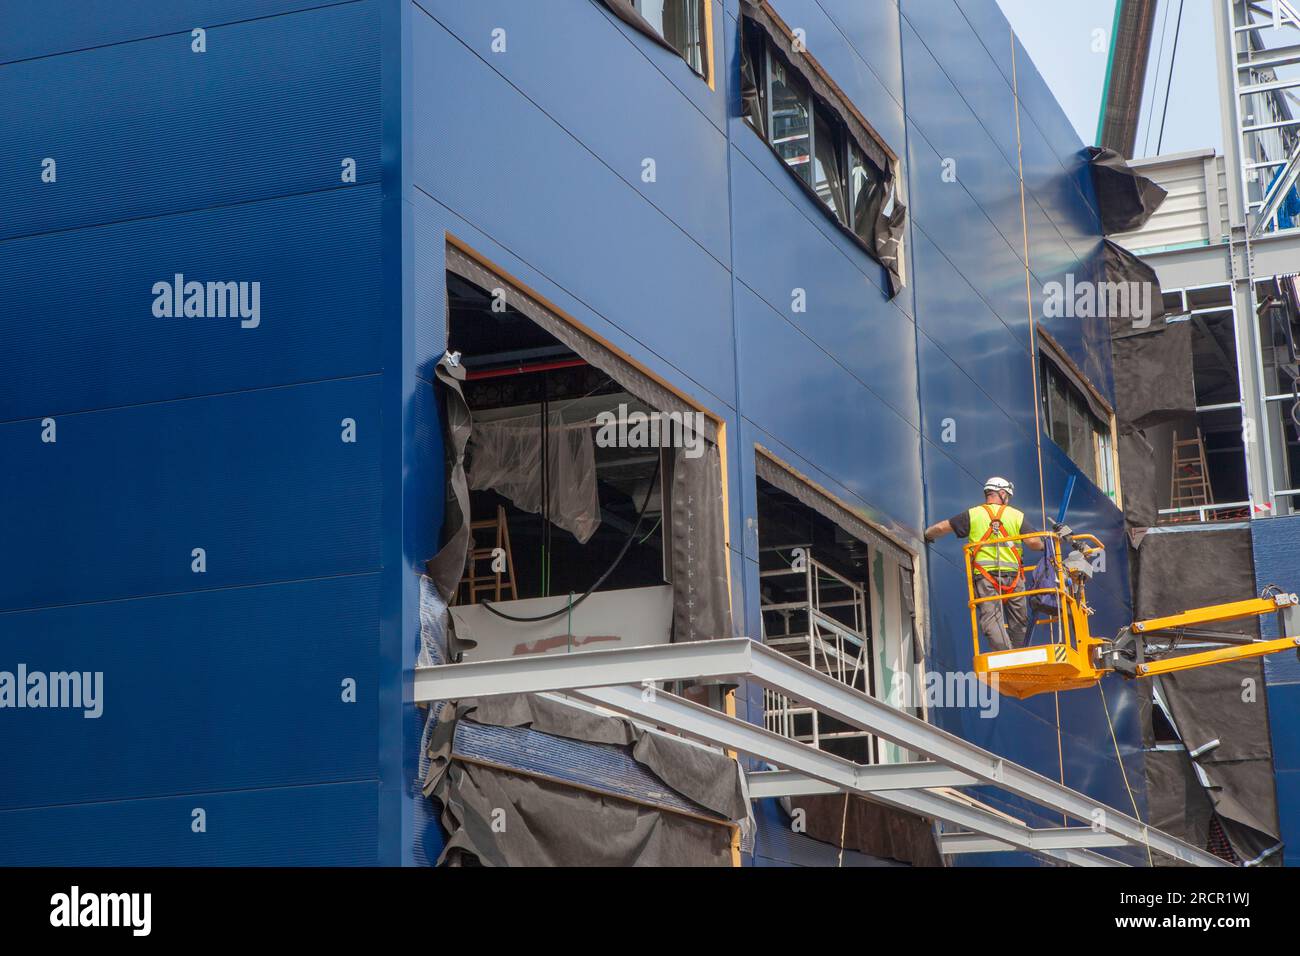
[{"x": 1072, "y": 657}]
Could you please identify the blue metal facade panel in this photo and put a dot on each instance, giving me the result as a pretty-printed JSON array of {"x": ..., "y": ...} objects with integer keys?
[
  {"x": 65, "y": 25},
  {"x": 533, "y": 158},
  {"x": 98, "y": 343},
  {"x": 149, "y": 127},
  {"x": 960, "y": 228},
  {"x": 872, "y": 31},
  {"x": 238, "y": 688},
  {"x": 687, "y": 147},
  {"x": 223, "y": 689},
  {"x": 552, "y": 201},
  {"x": 968, "y": 253},
  {"x": 821, "y": 291},
  {"x": 260, "y": 480},
  {"x": 1288, "y": 796},
  {"x": 1277, "y": 561},
  {"x": 825, "y": 413},
  {"x": 321, "y": 825}
]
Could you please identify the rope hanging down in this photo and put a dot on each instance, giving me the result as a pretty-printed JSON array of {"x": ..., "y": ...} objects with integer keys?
[
  {"x": 1033, "y": 353},
  {"x": 1038, "y": 431}
]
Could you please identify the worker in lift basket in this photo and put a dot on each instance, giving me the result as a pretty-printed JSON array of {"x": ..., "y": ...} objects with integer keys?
[{"x": 996, "y": 566}]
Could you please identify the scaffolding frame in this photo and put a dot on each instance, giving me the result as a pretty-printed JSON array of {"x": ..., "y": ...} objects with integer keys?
[
  {"x": 1268, "y": 149},
  {"x": 626, "y": 681},
  {"x": 837, "y": 649},
  {"x": 1249, "y": 83},
  {"x": 1242, "y": 245}
]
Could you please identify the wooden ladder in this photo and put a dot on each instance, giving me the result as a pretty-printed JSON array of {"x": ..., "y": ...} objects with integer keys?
[
  {"x": 495, "y": 582},
  {"x": 1189, "y": 482}
]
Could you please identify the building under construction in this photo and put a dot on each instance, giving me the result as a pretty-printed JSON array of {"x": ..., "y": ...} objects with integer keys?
[
  {"x": 504, "y": 433},
  {"x": 1217, "y": 454}
]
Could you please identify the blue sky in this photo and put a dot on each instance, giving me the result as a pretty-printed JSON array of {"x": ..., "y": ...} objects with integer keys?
[{"x": 1059, "y": 37}]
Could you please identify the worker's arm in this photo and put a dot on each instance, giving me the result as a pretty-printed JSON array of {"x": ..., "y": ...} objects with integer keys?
[
  {"x": 938, "y": 530},
  {"x": 1034, "y": 544}
]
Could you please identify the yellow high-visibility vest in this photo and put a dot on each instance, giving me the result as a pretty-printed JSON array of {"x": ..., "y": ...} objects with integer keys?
[{"x": 1000, "y": 557}]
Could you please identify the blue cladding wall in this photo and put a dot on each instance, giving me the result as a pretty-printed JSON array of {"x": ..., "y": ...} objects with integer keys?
[
  {"x": 222, "y": 690},
  {"x": 974, "y": 358},
  {"x": 1277, "y": 561},
  {"x": 183, "y": 433},
  {"x": 537, "y": 168}
]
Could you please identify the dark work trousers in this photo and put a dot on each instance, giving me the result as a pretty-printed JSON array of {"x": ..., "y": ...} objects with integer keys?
[{"x": 1002, "y": 623}]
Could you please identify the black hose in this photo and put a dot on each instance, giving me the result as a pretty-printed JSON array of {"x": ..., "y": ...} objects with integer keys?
[{"x": 600, "y": 580}]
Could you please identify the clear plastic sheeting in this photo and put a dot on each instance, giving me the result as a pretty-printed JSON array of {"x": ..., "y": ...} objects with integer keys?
[
  {"x": 505, "y": 457},
  {"x": 434, "y": 623}
]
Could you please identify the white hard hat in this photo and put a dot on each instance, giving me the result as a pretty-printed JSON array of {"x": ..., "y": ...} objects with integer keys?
[{"x": 1000, "y": 484}]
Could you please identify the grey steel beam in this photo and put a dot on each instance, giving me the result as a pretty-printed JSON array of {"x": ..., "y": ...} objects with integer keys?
[
  {"x": 1274, "y": 253},
  {"x": 1194, "y": 266},
  {"x": 741, "y": 657},
  {"x": 704, "y": 724},
  {"x": 842, "y": 702},
  {"x": 1055, "y": 838},
  {"x": 536, "y": 673},
  {"x": 1272, "y": 58},
  {"x": 785, "y": 783},
  {"x": 953, "y": 844},
  {"x": 896, "y": 776}
]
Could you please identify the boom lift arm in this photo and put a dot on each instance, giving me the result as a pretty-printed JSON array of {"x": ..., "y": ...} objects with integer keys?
[
  {"x": 1074, "y": 658},
  {"x": 1236, "y": 647}
]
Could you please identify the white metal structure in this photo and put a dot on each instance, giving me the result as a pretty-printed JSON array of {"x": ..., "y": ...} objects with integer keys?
[
  {"x": 626, "y": 681},
  {"x": 1219, "y": 225},
  {"x": 804, "y": 628},
  {"x": 1265, "y": 38}
]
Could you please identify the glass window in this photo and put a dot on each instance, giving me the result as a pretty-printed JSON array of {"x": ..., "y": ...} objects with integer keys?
[
  {"x": 681, "y": 23},
  {"x": 818, "y": 141},
  {"x": 1082, "y": 448},
  {"x": 1057, "y": 407},
  {"x": 1070, "y": 422},
  {"x": 829, "y": 180},
  {"x": 791, "y": 119}
]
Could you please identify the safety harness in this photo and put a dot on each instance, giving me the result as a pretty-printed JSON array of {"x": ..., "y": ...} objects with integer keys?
[{"x": 995, "y": 530}]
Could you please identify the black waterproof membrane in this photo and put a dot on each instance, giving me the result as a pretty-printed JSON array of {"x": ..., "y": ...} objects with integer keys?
[{"x": 514, "y": 775}]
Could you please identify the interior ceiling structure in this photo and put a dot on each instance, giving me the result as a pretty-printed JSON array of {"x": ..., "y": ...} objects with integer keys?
[
  {"x": 784, "y": 521},
  {"x": 478, "y": 330}
]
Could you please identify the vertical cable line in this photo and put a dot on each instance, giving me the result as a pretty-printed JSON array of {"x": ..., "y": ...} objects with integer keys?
[
  {"x": 1033, "y": 357},
  {"x": 1173, "y": 59},
  {"x": 1155, "y": 79},
  {"x": 1038, "y": 441}
]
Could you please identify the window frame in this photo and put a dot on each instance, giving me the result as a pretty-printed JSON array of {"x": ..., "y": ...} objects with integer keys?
[
  {"x": 656, "y": 392},
  {"x": 776, "y": 471},
  {"x": 770, "y": 114},
  {"x": 1103, "y": 432},
  {"x": 851, "y": 130},
  {"x": 705, "y": 39},
  {"x": 845, "y": 147}
]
